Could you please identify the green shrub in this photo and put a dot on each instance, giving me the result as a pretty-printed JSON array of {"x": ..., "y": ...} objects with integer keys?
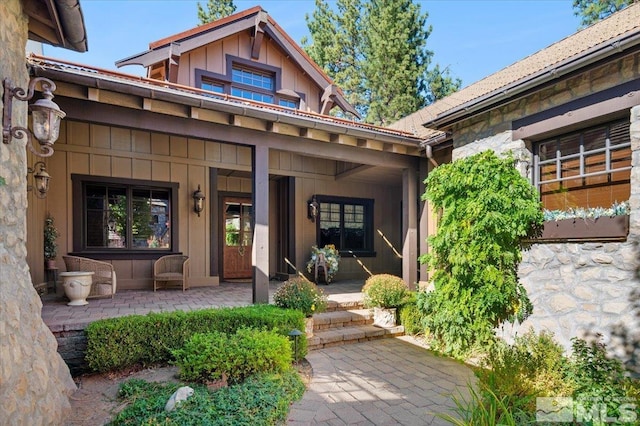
[
  {"x": 301, "y": 294},
  {"x": 489, "y": 212},
  {"x": 411, "y": 317},
  {"x": 533, "y": 366},
  {"x": 384, "y": 291},
  {"x": 118, "y": 343},
  {"x": 207, "y": 357},
  {"x": 262, "y": 399}
]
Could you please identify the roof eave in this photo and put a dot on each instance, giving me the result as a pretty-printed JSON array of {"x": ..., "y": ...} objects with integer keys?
[{"x": 475, "y": 106}]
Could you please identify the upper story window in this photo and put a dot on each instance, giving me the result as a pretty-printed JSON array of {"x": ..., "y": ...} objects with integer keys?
[
  {"x": 347, "y": 223},
  {"x": 249, "y": 80},
  {"x": 119, "y": 215},
  {"x": 590, "y": 168}
]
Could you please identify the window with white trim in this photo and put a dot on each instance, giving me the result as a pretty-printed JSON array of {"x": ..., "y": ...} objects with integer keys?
[{"x": 589, "y": 168}]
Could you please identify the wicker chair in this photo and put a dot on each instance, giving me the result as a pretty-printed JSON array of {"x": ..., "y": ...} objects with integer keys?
[
  {"x": 104, "y": 277},
  {"x": 171, "y": 269}
]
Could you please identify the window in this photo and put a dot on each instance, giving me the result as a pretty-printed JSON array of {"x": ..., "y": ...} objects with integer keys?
[
  {"x": 212, "y": 86},
  {"x": 249, "y": 80},
  {"x": 347, "y": 223},
  {"x": 118, "y": 215},
  {"x": 590, "y": 168}
]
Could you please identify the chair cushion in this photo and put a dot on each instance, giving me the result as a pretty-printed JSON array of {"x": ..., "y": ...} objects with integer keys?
[{"x": 169, "y": 276}]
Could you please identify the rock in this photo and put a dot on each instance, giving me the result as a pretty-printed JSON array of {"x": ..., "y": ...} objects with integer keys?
[{"x": 178, "y": 396}]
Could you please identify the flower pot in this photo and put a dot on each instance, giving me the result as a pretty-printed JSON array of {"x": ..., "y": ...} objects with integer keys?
[
  {"x": 50, "y": 264},
  {"x": 384, "y": 317},
  {"x": 77, "y": 286}
]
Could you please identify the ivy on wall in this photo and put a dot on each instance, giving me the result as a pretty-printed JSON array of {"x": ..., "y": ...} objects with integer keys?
[{"x": 487, "y": 211}]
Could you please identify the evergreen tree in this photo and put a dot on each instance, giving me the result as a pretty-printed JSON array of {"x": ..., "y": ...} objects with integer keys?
[
  {"x": 216, "y": 9},
  {"x": 375, "y": 51},
  {"x": 591, "y": 11}
]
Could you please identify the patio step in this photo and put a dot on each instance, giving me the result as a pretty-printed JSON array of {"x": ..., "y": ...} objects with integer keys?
[
  {"x": 347, "y": 326},
  {"x": 353, "y": 334}
]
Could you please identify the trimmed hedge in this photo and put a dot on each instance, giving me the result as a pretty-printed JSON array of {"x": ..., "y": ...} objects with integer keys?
[
  {"x": 210, "y": 356},
  {"x": 119, "y": 343}
]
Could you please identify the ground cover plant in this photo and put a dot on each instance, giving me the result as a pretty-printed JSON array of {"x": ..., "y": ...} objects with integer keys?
[
  {"x": 488, "y": 213},
  {"x": 512, "y": 377},
  {"x": 262, "y": 399}
]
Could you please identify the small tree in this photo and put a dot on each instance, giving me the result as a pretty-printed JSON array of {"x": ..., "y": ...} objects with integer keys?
[
  {"x": 50, "y": 236},
  {"x": 488, "y": 211}
]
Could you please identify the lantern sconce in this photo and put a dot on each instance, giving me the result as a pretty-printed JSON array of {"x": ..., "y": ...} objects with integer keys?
[
  {"x": 46, "y": 115},
  {"x": 198, "y": 201},
  {"x": 41, "y": 178},
  {"x": 313, "y": 209}
]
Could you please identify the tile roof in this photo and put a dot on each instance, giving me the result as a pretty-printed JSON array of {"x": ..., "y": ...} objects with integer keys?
[{"x": 624, "y": 22}]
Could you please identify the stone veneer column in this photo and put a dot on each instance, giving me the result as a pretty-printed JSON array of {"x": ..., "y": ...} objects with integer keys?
[{"x": 34, "y": 381}]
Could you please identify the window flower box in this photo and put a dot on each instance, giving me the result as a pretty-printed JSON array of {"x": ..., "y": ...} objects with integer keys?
[{"x": 603, "y": 228}]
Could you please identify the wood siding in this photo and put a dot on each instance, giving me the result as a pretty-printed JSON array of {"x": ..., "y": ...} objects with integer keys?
[{"x": 99, "y": 150}]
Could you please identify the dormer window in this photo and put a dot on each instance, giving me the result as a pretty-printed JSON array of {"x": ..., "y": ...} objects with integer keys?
[{"x": 249, "y": 80}]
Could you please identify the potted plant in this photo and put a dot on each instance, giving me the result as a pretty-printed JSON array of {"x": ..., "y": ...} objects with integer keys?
[
  {"x": 324, "y": 262},
  {"x": 301, "y": 294},
  {"x": 50, "y": 244},
  {"x": 384, "y": 293},
  {"x": 587, "y": 224}
]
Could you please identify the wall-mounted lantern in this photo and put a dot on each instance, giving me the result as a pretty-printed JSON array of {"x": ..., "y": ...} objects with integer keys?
[
  {"x": 46, "y": 115},
  {"x": 198, "y": 201},
  {"x": 313, "y": 209},
  {"x": 41, "y": 178}
]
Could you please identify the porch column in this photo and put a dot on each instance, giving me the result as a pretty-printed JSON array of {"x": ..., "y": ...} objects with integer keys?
[
  {"x": 423, "y": 227},
  {"x": 260, "y": 249},
  {"x": 409, "y": 226}
]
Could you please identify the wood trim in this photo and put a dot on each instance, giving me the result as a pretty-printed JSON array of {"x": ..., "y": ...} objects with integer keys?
[
  {"x": 112, "y": 115},
  {"x": 214, "y": 231}
]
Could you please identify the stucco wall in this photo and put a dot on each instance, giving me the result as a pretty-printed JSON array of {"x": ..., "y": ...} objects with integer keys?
[{"x": 34, "y": 381}]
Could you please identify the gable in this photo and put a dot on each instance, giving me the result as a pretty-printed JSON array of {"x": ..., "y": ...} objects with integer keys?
[{"x": 250, "y": 35}]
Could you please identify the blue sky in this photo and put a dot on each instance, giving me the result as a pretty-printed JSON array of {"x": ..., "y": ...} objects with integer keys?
[{"x": 474, "y": 38}]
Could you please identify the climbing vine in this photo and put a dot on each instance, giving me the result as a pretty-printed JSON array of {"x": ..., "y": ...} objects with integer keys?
[{"x": 488, "y": 211}]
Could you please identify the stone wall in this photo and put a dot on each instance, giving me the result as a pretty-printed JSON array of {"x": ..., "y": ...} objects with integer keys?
[
  {"x": 579, "y": 290},
  {"x": 34, "y": 381}
]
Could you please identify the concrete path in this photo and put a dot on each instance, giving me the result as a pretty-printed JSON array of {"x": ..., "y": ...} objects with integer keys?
[{"x": 390, "y": 381}]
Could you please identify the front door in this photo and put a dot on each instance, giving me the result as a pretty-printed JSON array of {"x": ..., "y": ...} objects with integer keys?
[{"x": 238, "y": 237}]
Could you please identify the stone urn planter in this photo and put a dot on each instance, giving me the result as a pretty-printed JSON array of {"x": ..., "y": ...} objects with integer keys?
[
  {"x": 384, "y": 317},
  {"x": 77, "y": 286}
]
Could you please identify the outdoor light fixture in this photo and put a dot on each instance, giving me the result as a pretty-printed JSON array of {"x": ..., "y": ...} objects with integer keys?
[
  {"x": 41, "y": 178},
  {"x": 46, "y": 115},
  {"x": 313, "y": 209},
  {"x": 198, "y": 201},
  {"x": 295, "y": 334}
]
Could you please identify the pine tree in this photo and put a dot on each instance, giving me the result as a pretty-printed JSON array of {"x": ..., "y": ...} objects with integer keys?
[
  {"x": 591, "y": 11},
  {"x": 375, "y": 50},
  {"x": 216, "y": 9}
]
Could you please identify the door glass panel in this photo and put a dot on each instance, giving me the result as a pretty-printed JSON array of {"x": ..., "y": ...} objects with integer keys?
[{"x": 232, "y": 224}]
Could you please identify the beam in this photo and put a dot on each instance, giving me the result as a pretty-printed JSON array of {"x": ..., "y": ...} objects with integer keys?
[
  {"x": 260, "y": 247},
  {"x": 409, "y": 227},
  {"x": 352, "y": 172}
]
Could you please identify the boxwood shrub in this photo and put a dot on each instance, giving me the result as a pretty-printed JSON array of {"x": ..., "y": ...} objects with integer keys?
[
  {"x": 208, "y": 357},
  {"x": 119, "y": 343}
]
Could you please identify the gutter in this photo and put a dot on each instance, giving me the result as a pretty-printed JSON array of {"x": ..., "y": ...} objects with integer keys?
[
  {"x": 511, "y": 91},
  {"x": 72, "y": 22},
  {"x": 135, "y": 88}
]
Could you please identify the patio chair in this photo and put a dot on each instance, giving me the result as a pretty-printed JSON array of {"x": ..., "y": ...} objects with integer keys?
[
  {"x": 171, "y": 270},
  {"x": 104, "y": 276}
]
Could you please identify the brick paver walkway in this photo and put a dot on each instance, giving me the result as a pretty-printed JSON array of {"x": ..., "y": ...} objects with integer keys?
[{"x": 380, "y": 382}]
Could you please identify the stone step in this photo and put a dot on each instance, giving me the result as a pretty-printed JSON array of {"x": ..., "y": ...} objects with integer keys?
[
  {"x": 344, "y": 304},
  {"x": 346, "y": 335},
  {"x": 342, "y": 318}
]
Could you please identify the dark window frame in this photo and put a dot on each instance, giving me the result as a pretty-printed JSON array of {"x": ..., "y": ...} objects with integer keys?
[
  {"x": 581, "y": 156},
  {"x": 368, "y": 204},
  {"x": 226, "y": 80},
  {"x": 79, "y": 183}
]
